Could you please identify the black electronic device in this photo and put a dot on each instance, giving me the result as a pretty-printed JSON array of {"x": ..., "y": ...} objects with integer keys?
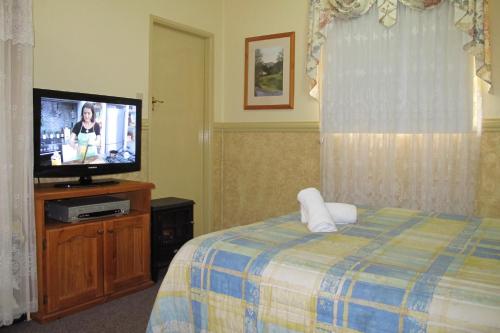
[
  {"x": 66, "y": 144},
  {"x": 79, "y": 209},
  {"x": 171, "y": 227}
]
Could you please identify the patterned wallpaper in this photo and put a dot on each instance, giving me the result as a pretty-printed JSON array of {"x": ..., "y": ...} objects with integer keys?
[
  {"x": 256, "y": 174},
  {"x": 488, "y": 196},
  {"x": 217, "y": 180}
]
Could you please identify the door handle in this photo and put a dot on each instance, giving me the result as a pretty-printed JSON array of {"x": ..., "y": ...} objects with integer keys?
[{"x": 154, "y": 101}]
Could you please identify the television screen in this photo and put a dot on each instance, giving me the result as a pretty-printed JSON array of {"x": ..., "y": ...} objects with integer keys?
[{"x": 81, "y": 135}]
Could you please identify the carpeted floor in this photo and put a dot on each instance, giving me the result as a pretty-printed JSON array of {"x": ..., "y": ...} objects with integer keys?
[{"x": 129, "y": 314}]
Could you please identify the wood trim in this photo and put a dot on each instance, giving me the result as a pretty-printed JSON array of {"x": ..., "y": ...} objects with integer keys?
[
  {"x": 47, "y": 191},
  {"x": 179, "y": 26},
  {"x": 268, "y": 127},
  {"x": 145, "y": 125},
  {"x": 207, "y": 137},
  {"x": 491, "y": 125},
  {"x": 40, "y": 255}
]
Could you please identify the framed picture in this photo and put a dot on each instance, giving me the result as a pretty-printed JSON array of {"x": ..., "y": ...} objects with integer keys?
[{"x": 269, "y": 71}]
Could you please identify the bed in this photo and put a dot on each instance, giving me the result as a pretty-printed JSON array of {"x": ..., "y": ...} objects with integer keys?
[{"x": 395, "y": 270}]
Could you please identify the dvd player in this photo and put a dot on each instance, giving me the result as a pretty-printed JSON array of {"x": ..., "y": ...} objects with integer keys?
[{"x": 79, "y": 209}]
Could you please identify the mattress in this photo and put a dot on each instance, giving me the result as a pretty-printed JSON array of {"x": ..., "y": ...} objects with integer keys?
[{"x": 395, "y": 270}]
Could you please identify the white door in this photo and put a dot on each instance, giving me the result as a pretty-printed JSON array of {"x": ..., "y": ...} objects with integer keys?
[{"x": 177, "y": 120}]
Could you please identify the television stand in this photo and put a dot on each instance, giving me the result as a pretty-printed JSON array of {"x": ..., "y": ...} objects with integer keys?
[
  {"x": 87, "y": 181},
  {"x": 90, "y": 262}
]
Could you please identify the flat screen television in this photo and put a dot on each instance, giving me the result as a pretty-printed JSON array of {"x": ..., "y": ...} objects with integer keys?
[{"x": 82, "y": 135}]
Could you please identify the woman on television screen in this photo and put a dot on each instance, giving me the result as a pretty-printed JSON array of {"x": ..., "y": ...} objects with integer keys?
[{"x": 87, "y": 133}]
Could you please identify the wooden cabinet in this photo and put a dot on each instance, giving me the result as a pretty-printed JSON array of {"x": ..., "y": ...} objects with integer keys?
[
  {"x": 126, "y": 253},
  {"x": 74, "y": 265},
  {"x": 87, "y": 263}
]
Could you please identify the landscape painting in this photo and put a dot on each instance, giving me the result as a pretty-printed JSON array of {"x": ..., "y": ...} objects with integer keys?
[{"x": 269, "y": 71}]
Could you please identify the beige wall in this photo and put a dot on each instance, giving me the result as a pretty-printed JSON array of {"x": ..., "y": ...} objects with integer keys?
[
  {"x": 102, "y": 47},
  {"x": 243, "y": 18}
]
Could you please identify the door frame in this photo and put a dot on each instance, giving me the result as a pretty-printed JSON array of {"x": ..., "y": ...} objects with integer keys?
[{"x": 207, "y": 224}]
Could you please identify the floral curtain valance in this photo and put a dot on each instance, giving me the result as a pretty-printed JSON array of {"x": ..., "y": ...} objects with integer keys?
[{"x": 471, "y": 16}]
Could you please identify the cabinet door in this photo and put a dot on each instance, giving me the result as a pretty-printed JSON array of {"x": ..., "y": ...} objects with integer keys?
[
  {"x": 74, "y": 265},
  {"x": 126, "y": 252}
]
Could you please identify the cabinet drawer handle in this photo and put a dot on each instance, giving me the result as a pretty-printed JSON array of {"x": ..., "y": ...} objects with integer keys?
[{"x": 100, "y": 232}]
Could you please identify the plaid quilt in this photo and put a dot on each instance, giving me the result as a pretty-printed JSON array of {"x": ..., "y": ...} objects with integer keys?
[{"x": 395, "y": 270}]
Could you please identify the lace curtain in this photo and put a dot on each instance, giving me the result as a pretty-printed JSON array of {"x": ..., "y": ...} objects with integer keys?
[
  {"x": 470, "y": 16},
  {"x": 18, "y": 292},
  {"x": 397, "y": 119}
]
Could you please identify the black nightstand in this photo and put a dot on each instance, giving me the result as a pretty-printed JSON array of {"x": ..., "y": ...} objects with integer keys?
[{"x": 171, "y": 227}]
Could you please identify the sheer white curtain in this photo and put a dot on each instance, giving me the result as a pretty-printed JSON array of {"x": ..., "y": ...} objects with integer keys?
[
  {"x": 18, "y": 293},
  {"x": 397, "y": 116}
]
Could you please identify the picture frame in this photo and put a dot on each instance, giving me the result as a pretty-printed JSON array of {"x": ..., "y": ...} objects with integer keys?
[{"x": 269, "y": 71}]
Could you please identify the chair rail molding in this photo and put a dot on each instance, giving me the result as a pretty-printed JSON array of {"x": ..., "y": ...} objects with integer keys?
[
  {"x": 311, "y": 126},
  {"x": 491, "y": 125}
]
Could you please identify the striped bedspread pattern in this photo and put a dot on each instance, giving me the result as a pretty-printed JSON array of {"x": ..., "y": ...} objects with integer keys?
[{"x": 395, "y": 270}]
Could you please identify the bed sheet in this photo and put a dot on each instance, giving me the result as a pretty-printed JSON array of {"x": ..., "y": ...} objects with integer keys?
[{"x": 396, "y": 270}]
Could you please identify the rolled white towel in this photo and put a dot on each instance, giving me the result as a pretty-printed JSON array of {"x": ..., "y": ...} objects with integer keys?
[
  {"x": 304, "y": 218},
  {"x": 314, "y": 211},
  {"x": 342, "y": 213}
]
